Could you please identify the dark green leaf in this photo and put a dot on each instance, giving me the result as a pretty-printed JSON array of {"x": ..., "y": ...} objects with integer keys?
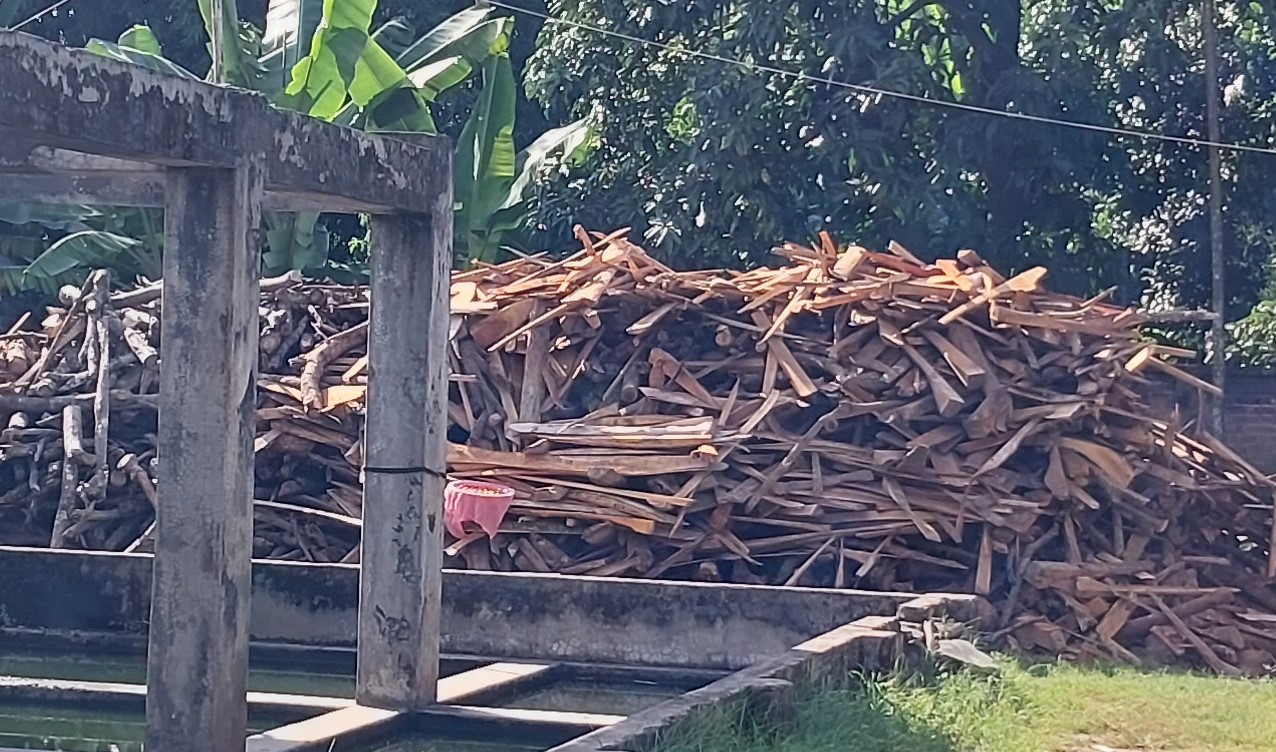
[
  {"x": 84, "y": 248},
  {"x": 235, "y": 59},
  {"x": 473, "y": 34},
  {"x": 137, "y": 57},
  {"x": 9, "y": 12},
  {"x": 290, "y": 26},
  {"x": 485, "y": 159},
  {"x": 142, "y": 39}
]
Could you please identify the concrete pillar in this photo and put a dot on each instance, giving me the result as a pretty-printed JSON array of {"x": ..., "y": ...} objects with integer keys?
[
  {"x": 405, "y": 458},
  {"x": 197, "y": 664}
]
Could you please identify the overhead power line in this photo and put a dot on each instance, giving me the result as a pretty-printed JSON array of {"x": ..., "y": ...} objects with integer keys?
[
  {"x": 865, "y": 89},
  {"x": 42, "y": 14}
]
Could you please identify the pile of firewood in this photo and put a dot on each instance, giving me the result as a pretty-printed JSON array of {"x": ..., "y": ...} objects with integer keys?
[{"x": 849, "y": 419}]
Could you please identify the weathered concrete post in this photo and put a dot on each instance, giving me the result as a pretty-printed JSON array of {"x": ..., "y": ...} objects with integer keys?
[
  {"x": 197, "y": 664},
  {"x": 405, "y": 456}
]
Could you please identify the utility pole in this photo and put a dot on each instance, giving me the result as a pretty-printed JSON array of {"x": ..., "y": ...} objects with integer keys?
[{"x": 1218, "y": 332}]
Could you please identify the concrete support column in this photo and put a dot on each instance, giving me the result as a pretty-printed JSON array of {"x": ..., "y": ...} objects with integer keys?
[
  {"x": 405, "y": 458},
  {"x": 197, "y": 664}
]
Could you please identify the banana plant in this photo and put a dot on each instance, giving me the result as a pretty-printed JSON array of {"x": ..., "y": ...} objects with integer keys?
[
  {"x": 322, "y": 58},
  {"x": 377, "y": 81},
  {"x": 71, "y": 238}
]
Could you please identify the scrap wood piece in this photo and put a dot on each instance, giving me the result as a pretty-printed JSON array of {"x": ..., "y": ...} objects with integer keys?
[
  {"x": 947, "y": 398},
  {"x": 1024, "y": 282},
  {"x": 532, "y": 389},
  {"x": 801, "y": 382},
  {"x": 1141, "y": 359},
  {"x": 1185, "y": 377},
  {"x": 1115, "y": 619},
  {"x": 475, "y": 459},
  {"x": 848, "y": 262},
  {"x": 316, "y": 362},
  {"x": 983, "y": 572},
  {"x": 1007, "y": 450},
  {"x": 651, "y": 319},
  {"x": 1109, "y": 462},
  {"x": 1205, "y": 651},
  {"x": 795, "y": 304},
  {"x": 896, "y": 492},
  {"x": 669, "y": 366},
  {"x": 970, "y": 373},
  {"x": 637, "y": 432},
  {"x": 73, "y": 453},
  {"x": 1009, "y": 316}
]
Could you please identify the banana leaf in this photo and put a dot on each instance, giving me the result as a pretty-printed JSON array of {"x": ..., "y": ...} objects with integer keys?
[
  {"x": 139, "y": 46},
  {"x": 572, "y": 142},
  {"x": 473, "y": 34},
  {"x": 294, "y": 241},
  {"x": 290, "y": 26},
  {"x": 94, "y": 248},
  {"x": 485, "y": 161},
  {"x": 346, "y": 68},
  {"x": 240, "y": 66}
]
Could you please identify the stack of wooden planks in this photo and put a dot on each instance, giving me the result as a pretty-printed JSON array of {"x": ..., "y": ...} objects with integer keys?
[{"x": 847, "y": 419}]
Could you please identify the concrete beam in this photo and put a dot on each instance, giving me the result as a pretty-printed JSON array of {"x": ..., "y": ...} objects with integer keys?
[
  {"x": 400, "y": 597},
  {"x": 74, "y": 100},
  {"x": 197, "y": 659},
  {"x": 326, "y": 729},
  {"x": 94, "y": 190},
  {"x": 145, "y": 191}
]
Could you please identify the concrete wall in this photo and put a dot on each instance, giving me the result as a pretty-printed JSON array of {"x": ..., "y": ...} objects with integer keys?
[
  {"x": 517, "y": 616},
  {"x": 1249, "y": 413}
]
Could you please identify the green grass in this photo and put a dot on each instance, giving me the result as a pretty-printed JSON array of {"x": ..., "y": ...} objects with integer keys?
[{"x": 1055, "y": 708}]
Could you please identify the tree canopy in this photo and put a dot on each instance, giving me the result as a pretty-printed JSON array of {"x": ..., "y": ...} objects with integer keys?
[{"x": 715, "y": 162}]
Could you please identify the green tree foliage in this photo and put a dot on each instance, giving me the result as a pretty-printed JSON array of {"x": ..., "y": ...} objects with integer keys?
[
  {"x": 177, "y": 22},
  {"x": 715, "y": 162}
]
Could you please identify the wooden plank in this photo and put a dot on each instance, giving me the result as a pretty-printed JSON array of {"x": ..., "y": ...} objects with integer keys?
[
  {"x": 1024, "y": 282},
  {"x": 949, "y": 401},
  {"x": 848, "y": 262},
  {"x": 802, "y": 383},
  {"x": 532, "y": 392},
  {"x": 983, "y": 573},
  {"x": 323, "y": 730},
  {"x": 197, "y": 651},
  {"x": 1185, "y": 377},
  {"x": 1205, "y": 651},
  {"x": 474, "y": 459},
  {"x": 970, "y": 373}
]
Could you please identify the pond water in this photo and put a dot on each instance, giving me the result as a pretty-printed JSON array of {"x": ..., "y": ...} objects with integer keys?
[
  {"x": 311, "y": 677},
  {"x": 75, "y": 728}
]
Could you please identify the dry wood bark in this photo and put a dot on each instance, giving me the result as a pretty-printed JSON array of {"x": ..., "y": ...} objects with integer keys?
[{"x": 848, "y": 418}]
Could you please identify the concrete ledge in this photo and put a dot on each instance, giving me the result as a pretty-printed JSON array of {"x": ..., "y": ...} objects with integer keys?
[
  {"x": 534, "y": 617},
  {"x": 956, "y": 606},
  {"x": 872, "y": 643}
]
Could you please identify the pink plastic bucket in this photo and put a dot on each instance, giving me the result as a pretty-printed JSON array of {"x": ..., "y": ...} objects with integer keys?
[{"x": 475, "y": 501}]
